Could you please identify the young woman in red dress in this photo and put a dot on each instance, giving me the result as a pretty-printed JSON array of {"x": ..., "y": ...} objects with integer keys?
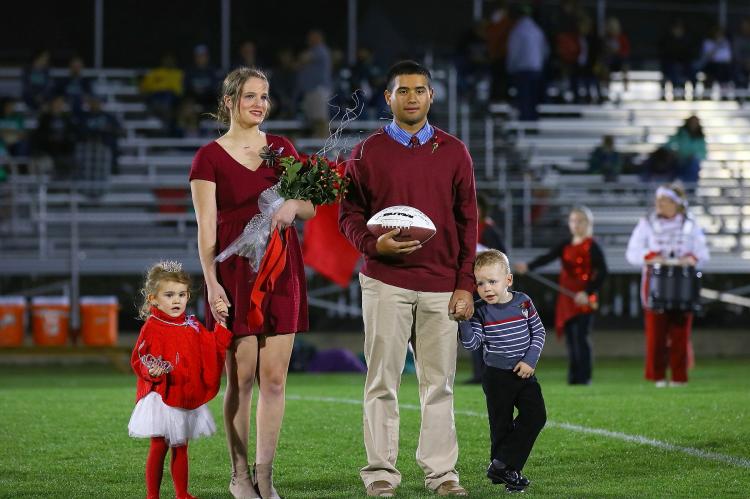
[
  {"x": 227, "y": 177},
  {"x": 582, "y": 271}
]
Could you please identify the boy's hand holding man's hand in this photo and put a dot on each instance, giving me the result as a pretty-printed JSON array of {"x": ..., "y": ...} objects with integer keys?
[{"x": 460, "y": 310}]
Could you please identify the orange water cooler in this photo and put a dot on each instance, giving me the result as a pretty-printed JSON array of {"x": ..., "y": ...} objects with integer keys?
[
  {"x": 49, "y": 319},
  {"x": 99, "y": 320},
  {"x": 12, "y": 314}
]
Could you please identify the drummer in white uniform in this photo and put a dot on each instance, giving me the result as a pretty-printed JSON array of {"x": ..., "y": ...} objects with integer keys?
[{"x": 667, "y": 236}]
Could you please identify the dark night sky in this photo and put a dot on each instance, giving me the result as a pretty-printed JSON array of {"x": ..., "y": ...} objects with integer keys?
[{"x": 137, "y": 32}]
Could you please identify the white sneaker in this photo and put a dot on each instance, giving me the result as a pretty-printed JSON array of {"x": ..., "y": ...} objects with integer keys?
[
  {"x": 677, "y": 383},
  {"x": 661, "y": 383}
]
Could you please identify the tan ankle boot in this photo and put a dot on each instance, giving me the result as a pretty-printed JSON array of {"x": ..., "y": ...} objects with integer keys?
[
  {"x": 263, "y": 479},
  {"x": 240, "y": 485}
]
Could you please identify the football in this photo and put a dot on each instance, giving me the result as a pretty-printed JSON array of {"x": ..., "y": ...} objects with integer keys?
[{"x": 414, "y": 224}]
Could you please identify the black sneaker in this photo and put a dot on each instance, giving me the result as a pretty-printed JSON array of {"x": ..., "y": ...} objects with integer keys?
[
  {"x": 499, "y": 473},
  {"x": 523, "y": 480}
]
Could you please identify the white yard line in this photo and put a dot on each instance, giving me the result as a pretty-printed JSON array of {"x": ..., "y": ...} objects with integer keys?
[{"x": 637, "y": 439}]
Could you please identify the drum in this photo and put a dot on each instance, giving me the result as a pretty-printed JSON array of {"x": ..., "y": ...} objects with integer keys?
[{"x": 673, "y": 287}]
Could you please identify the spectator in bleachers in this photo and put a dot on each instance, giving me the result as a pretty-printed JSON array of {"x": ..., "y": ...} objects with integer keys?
[
  {"x": 568, "y": 15},
  {"x": 284, "y": 85},
  {"x": 527, "y": 52},
  {"x": 37, "y": 83},
  {"x": 490, "y": 235},
  {"x": 565, "y": 32},
  {"x": 605, "y": 160},
  {"x": 579, "y": 59},
  {"x": 368, "y": 77},
  {"x": 12, "y": 129},
  {"x": 248, "y": 56},
  {"x": 589, "y": 64},
  {"x": 661, "y": 166},
  {"x": 314, "y": 82},
  {"x": 163, "y": 88},
  {"x": 677, "y": 55},
  {"x": 75, "y": 87},
  {"x": 472, "y": 60},
  {"x": 201, "y": 80},
  {"x": 741, "y": 53},
  {"x": 616, "y": 52},
  {"x": 55, "y": 137},
  {"x": 498, "y": 30},
  {"x": 187, "y": 118},
  {"x": 689, "y": 146},
  {"x": 340, "y": 81},
  {"x": 96, "y": 149},
  {"x": 716, "y": 61}
]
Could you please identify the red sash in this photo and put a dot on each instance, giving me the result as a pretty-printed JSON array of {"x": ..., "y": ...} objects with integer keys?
[{"x": 271, "y": 267}]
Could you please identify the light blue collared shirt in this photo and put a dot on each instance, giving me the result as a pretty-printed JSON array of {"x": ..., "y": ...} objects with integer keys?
[{"x": 403, "y": 137}]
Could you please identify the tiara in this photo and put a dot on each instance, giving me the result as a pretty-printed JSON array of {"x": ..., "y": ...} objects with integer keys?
[{"x": 171, "y": 266}]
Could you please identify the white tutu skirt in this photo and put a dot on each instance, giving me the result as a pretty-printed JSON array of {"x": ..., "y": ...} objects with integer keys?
[{"x": 153, "y": 418}]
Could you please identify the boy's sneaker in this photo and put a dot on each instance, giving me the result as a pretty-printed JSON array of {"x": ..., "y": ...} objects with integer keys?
[
  {"x": 523, "y": 480},
  {"x": 499, "y": 473}
]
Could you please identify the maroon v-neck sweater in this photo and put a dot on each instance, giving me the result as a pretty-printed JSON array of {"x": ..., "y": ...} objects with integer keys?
[{"x": 436, "y": 178}]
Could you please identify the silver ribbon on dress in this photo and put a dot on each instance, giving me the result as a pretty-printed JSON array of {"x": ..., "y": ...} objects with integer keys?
[{"x": 254, "y": 238}]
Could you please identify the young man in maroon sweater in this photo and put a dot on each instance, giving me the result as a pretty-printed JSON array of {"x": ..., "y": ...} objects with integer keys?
[{"x": 409, "y": 290}]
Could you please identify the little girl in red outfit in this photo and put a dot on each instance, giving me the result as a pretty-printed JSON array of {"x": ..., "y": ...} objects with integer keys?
[{"x": 178, "y": 363}]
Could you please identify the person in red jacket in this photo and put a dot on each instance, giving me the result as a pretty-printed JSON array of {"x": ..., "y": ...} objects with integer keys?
[{"x": 178, "y": 363}]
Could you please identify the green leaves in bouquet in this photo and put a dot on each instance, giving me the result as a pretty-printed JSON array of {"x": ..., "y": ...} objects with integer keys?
[{"x": 311, "y": 178}]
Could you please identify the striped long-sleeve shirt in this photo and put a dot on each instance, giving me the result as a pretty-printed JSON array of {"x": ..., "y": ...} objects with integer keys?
[{"x": 507, "y": 332}]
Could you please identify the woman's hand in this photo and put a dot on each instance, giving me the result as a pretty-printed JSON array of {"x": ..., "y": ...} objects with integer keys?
[
  {"x": 285, "y": 215},
  {"x": 219, "y": 303}
]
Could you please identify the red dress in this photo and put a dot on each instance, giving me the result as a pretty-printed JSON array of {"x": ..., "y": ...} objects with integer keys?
[{"x": 237, "y": 192}]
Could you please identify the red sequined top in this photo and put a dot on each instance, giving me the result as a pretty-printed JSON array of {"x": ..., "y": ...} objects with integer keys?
[{"x": 583, "y": 268}]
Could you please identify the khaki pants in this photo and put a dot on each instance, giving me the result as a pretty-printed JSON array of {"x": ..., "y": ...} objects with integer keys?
[{"x": 391, "y": 314}]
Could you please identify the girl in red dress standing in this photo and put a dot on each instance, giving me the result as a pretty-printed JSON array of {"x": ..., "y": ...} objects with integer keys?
[
  {"x": 178, "y": 364},
  {"x": 583, "y": 270},
  {"x": 227, "y": 177}
]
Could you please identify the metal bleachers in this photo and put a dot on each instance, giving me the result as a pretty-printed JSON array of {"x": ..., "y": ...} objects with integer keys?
[{"x": 145, "y": 211}]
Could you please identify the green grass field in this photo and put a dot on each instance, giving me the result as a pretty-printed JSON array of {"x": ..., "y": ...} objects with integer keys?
[{"x": 63, "y": 434}]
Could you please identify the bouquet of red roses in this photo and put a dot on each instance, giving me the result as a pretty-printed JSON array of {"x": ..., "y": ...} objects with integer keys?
[{"x": 311, "y": 178}]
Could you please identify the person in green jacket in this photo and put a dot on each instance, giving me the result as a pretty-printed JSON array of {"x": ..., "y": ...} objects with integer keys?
[{"x": 689, "y": 145}]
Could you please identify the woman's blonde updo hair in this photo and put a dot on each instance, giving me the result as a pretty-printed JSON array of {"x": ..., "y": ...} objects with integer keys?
[
  {"x": 587, "y": 214},
  {"x": 159, "y": 272},
  {"x": 232, "y": 88}
]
